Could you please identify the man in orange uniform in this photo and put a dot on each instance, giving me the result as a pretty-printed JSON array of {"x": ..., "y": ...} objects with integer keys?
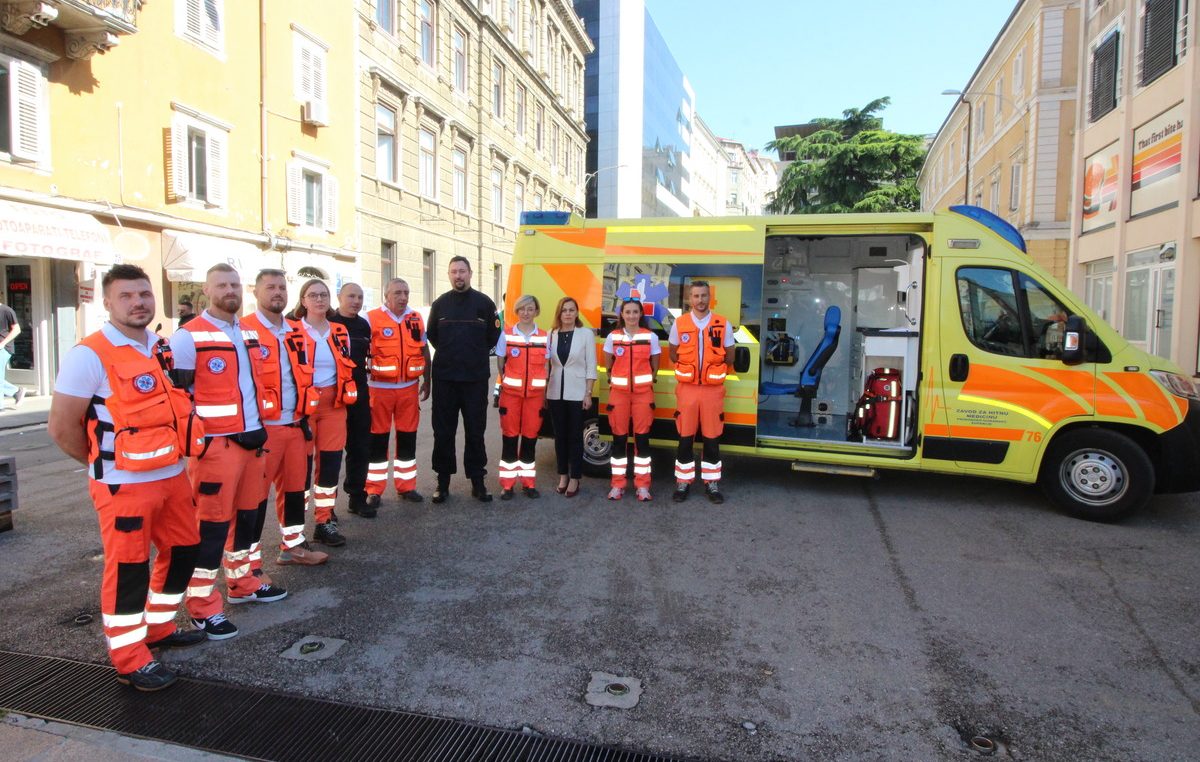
[
  {"x": 699, "y": 342},
  {"x": 285, "y": 380},
  {"x": 399, "y": 359},
  {"x": 214, "y": 357},
  {"x": 115, "y": 410}
]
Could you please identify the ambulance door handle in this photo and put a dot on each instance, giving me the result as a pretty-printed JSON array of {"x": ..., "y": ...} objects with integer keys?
[{"x": 960, "y": 366}]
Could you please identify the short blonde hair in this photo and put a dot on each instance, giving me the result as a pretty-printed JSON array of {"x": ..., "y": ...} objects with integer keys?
[{"x": 527, "y": 299}]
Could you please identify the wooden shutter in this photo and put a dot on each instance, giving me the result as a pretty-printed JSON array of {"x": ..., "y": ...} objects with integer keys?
[
  {"x": 27, "y": 115},
  {"x": 217, "y": 175},
  {"x": 1104, "y": 76},
  {"x": 295, "y": 194},
  {"x": 1159, "y": 26},
  {"x": 329, "y": 187}
]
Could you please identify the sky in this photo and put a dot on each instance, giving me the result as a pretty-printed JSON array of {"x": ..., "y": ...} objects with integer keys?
[{"x": 777, "y": 62}]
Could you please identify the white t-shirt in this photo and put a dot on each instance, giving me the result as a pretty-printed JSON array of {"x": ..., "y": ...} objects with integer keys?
[
  {"x": 392, "y": 384},
  {"x": 184, "y": 348},
  {"x": 324, "y": 363},
  {"x": 701, "y": 324},
  {"x": 287, "y": 386},
  {"x": 81, "y": 374}
]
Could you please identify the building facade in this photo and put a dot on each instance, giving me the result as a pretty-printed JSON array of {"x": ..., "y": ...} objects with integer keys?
[
  {"x": 1136, "y": 213},
  {"x": 751, "y": 180},
  {"x": 1007, "y": 143},
  {"x": 640, "y": 115},
  {"x": 470, "y": 113},
  {"x": 208, "y": 131}
]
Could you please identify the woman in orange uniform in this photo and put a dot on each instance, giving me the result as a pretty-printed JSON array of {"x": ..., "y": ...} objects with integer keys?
[
  {"x": 631, "y": 356},
  {"x": 329, "y": 346},
  {"x": 521, "y": 360}
]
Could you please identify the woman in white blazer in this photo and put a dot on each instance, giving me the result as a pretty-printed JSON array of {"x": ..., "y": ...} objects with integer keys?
[{"x": 571, "y": 357}]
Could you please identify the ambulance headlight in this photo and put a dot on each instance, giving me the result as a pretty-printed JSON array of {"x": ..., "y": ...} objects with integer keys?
[{"x": 1178, "y": 385}]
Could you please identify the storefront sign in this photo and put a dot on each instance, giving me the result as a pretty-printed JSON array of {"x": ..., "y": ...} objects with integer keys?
[
  {"x": 1157, "y": 161},
  {"x": 28, "y": 230},
  {"x": 1100, "y": 195},
  {"x": 87, "y": 293}
]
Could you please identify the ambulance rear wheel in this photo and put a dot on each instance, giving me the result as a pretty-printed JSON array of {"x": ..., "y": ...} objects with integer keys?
[
  {"x": 595, "y": 450},
  {"x": 1097, "y": 475}
]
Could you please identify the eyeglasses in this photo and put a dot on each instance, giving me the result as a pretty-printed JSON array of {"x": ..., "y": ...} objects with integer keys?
[{"x": 318, "y": 296}]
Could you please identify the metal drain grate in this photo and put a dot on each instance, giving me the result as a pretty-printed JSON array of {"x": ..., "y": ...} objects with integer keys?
[{"x": 259, "y": 724}]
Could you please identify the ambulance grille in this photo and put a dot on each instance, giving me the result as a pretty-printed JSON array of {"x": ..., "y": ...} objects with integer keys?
[{"x": 258, "y": 724}]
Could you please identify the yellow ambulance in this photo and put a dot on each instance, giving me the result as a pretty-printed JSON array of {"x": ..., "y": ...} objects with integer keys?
[{"x": 923, "y": 341}]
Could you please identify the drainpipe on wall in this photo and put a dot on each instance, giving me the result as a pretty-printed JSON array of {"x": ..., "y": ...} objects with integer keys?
[
  {"x": 265, "y": 176},
  {"x": 480, "y": 91}
]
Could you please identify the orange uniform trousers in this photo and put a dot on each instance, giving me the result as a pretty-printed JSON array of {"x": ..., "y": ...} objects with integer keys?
[
  {"x": 229, "y": 482},
  {"x": 138, "y": 605},
  {"x": 625, "y": 407},
  {"x": 520, "y": 422},
  {"x": 399, "y": 410},
  {"x": 288, "y": 455},
  {"x": 699, "y": 407},
  {"x": 329, "y": 438}
]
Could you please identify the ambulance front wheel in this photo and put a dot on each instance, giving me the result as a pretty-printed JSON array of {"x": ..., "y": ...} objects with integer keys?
[
  {"x": 1097, "y": 474},
  {"x": 595, "y": 450}
]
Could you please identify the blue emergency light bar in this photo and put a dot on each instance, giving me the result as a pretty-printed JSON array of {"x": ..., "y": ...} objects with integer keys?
[
  {"x": 545, "y": 218},
  {"x": 997, "y": 225}
]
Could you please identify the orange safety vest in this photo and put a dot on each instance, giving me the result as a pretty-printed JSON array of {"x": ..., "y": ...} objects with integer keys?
[
  {"x": 339, "y": 342},
  {"x": 631, "y": 369},
  {"x": 216, "y": 390},
  {"x": 524, "y": 363},
  {"x": 397, "y": 349},
  {"x": 152, "y": 423},
  {"x": 688, "y": 351},
  {"x": 270, "y": 369}
]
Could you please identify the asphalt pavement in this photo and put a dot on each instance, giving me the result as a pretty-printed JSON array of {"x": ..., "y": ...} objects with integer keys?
[{"x": 810, "y": 617}]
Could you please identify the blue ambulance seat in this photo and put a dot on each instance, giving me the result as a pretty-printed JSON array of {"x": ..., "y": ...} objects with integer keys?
[{"x": 810, "y": 376}]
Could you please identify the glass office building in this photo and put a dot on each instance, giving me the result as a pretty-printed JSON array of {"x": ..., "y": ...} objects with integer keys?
[{"x": 639, "y": 110}]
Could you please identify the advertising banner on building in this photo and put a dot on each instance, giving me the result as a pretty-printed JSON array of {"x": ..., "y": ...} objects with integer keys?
[
  {"x": 1100, "y": 195},
  {"x": 1157, "y": 161}
]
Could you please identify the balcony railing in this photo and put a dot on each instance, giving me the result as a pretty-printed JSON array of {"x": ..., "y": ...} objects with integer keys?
[{"x": 126, "y": 10}]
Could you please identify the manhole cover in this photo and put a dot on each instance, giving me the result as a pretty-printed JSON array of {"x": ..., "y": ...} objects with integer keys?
[
  {"x": 313, "y": 648},
  {"x": 613, "y": 690}
]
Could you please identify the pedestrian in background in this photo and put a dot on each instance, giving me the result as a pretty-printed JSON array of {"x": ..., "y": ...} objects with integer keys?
[
  {"x": 631, "y": 354},
  {"x": 186, "y": 311},
  {"x": 399, "y": 360},
  {"x": 358, "y": 415},
  {"x": 572, "y": 377},
  {"x": 521, "y": 362},
  {"x": 333, "y": 378},
  {"x": 115, "y": 410},
  {"x": 10, "y": 329},
  {"x": 463, "y": 329}
]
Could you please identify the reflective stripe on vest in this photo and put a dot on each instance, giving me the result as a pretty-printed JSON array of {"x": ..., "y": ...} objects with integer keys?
[
  {"x": 525, "y": 361},
  {"x": 631, "y": 361}
]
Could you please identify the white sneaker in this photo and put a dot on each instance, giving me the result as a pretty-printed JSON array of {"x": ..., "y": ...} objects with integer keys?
[
  {"x": 643, "y": 495},
  {"x": 616, "y": 493}
]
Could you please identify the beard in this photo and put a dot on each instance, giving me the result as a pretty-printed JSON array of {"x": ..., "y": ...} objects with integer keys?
[
  {"x": 137, "y": 320},
  {"x": 229, "y": 303},
  {"x": 274, "y": 307},
  {"x": 461, "y": 285}
]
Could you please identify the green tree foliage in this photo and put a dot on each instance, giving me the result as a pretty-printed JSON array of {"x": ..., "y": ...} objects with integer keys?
[{"x": 850, "y": 164}]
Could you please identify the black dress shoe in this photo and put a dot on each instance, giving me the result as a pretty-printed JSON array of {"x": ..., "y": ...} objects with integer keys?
[
  {"x": 368, "y": 508},
  {"x": 440, "y": 494},
  {"x": 412, "y": 496},
  {"x": 152, "y": 677},
  {"x": 479, "y": 491},
  {"x": 179, "y": 639}
]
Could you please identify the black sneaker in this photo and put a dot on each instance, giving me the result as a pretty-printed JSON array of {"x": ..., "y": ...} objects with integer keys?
[
  {"x": 152, "y": 677},
  {"x": 368, "y": 507},
  {"x": 479, "y": 491},
  {"x": 328, "y": 534},
  {"x": 178, "y": 639},
  {"x": 714, "y": 493},
  {"x": 355, "y": 504},
  {"x": 532, "y": 492},
  {"x": 412, "y": 496},
  {"x": 681, "y": 492},
  {"x": 264, "y": 594},
  {"x": 507, "y": 493},
  {"x": 216, "y": 627}
]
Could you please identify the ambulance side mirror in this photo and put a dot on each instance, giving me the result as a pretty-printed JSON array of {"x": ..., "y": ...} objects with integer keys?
[
  {"x": 1075, "y": 340},
  {"x": 741, "y": 359}
]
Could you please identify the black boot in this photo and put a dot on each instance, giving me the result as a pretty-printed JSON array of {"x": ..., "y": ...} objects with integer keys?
[
  {"x": 479, "y": 490},
  {"x": 443, "y": 489}
]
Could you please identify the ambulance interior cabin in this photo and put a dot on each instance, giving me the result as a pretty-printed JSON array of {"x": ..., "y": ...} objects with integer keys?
[{"x": 839, "y": 339}]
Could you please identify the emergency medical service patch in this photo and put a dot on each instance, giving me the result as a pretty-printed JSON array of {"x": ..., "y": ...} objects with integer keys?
[
  {"x": 264, "y": 350},
  {"x": 515, "y": 352},
  {"x": 685, "y": 338},
  {"x": 216, "y": 365},
  {"x": 619, "y": 351},
  {"x": 388, "y": 332},
  {"x": 145, "y": 383}
]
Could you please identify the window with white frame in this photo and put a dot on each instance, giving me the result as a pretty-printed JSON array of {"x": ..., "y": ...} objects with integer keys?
[
  {"x": 387, "y": 157},
  {"x": 537, "y": 202},
  {"x": 518, "y": 200},
  {"x": 962, "y": 145},
  {"x": 460, "y": 179},
  {"x": 521, "y": 99},
  {"x": 999, "y": 102},
  {"x": 387, "y": 262},
  {"x": 1098, "y": 287},
  {"x": 1105, "y": 75},
  {"x": 427, "y": 163},
  {"x": 311, "y": 56},
  {"x": 497, "y": 195},
  {"x": 312, "y": 195},
  {"x": 531, "y": 33},
  {"x": 427, "y": 40},
  {"x": 201, "y": 22},
  {"x": 1159, "y": 51},
  {"x": 1014, "y": 187},
  {"x": 498, "y": 89},
  {"x": 385, "y": 15},
  {"x": 554, "y": 157},
  {"x": 1018, "y": 73},
  {"x": 539, "y": 126},
  {"x": 995, "y": 193},
  {"x": 24, "y": 111},
  {"x": 510, "y": 16},
  {"x": 980, "y": 118},
  {"x": 199, "y": 160},
  {"x": 458, "y": 42}
]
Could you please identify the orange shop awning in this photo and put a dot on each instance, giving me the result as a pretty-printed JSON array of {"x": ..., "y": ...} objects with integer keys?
[{"x": 29, "y": 230}]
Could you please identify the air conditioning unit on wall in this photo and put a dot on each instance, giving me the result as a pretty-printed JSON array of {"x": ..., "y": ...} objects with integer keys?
[{"x": 315, "y": 113}]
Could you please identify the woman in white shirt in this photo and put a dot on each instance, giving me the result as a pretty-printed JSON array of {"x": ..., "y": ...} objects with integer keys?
[{"x": 571, "y": 357}]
